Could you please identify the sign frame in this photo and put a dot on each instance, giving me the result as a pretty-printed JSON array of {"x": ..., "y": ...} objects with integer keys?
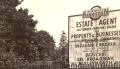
[{"x": 69, "y": 31}]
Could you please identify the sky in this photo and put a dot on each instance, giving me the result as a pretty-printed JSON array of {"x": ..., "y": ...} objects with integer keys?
[{"x": 52, "y": 15}]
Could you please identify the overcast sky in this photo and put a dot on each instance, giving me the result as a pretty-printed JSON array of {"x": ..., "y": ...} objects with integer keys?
[{"x": 52, "y": 15}]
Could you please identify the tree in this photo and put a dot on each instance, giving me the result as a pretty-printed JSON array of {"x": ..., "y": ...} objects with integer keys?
[
  {"x": 21, "y": 29},
  {"x": 63, "y": 40},
  {"x": 46, "y": 45},
  {"x": 18, "y": 36},
  {"x": 63, "y": 49}
]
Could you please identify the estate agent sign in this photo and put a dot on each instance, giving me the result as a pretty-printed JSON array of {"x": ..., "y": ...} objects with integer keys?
[{"x": 94, "y": 38}]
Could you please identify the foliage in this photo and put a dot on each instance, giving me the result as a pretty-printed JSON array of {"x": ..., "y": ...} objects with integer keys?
[
  {"x": 21, "y": 29},
  {"x": 46, "y": 45},
  {"x": 63, "y": 39},
  {"x": 19, "y": 40},
  {"x": 63, "y": 49}
]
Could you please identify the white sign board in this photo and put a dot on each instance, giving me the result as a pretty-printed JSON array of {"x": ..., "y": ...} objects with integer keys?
[{"x": 95, "y": 43}]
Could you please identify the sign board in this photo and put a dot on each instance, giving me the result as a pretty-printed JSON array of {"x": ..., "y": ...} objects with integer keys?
[{"x": 94, "y": 38}]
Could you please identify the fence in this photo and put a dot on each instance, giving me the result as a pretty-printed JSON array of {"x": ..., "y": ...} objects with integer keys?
[
  {"x": 56, "y": 67},
  {"x": 95, "y": 66},
  {"x": 34, "y": 67}
]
